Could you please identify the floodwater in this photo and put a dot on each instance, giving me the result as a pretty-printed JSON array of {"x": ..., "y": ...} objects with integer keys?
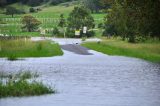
[{"x": 89, "y": 79}]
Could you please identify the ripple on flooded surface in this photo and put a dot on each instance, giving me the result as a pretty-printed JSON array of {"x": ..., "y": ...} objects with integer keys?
[{"x": 91, "y": 80}]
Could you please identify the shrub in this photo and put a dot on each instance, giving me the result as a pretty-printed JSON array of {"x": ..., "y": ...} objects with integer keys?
[
  {"x": 31, "y": 10},
  {"x": 70, "y": 33},
  {"x": 90, "y": 34},
  {"x": 12, "y": 57},
  {"x": 100, "y": 25},
  {"x": 56, "y": 32},
  {"x": 84, "y": 38},
  {"x": 140, "y": 38}
]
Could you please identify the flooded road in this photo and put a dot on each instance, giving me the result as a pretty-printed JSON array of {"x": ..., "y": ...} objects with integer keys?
[{"x": 84, "y": 77}]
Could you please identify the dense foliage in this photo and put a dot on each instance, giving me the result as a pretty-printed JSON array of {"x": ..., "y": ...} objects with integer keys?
[
  {"x": 32, "y": 2},
  {"x": 79, "y": 18},
  {"x": 133, "y": 19}
]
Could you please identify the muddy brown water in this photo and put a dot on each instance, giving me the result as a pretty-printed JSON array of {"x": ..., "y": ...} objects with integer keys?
[{"x": 90, "y": 80}]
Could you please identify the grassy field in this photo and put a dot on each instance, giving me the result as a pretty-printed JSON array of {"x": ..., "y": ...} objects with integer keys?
[
  {"x": 17, "y": 85},
  {"x": 26, "y": 48},
  {"x": 147, "y": 51},
  {"x": 49, "y": 16}
]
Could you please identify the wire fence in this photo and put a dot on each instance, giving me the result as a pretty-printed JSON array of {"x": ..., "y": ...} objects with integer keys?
[{"x": 11, "y": 25}]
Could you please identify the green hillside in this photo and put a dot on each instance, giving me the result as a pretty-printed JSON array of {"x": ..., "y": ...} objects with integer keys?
[{"x": 49, "y": 16}]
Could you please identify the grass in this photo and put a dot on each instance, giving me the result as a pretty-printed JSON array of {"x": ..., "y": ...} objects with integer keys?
[
  {"x": 13, "y": 49},
  {"x": 17, "y": 85},
  {"x": 147, "y": 51},
  {"x": 12, "y": 57},
  {"x": 48, "y": 16}
]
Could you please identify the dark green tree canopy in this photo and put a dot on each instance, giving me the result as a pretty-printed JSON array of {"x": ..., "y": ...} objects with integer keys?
[
  {"x": 131, "y": 18},
  {"x": 79, "y": 18},
  {"x": 11, "y": 11},
  {"x": 62, "y": 21}
]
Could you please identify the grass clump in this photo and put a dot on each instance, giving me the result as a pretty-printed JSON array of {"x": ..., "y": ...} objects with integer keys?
[
  {"x": 26, "y": 75},
  {"x": 12, "y": 57},
  {"x": 14, "y": 49},
  {"x": 84, "y": 39},
  {"x": 17, "y": 85},
  {"x": 147, "y": 51}
]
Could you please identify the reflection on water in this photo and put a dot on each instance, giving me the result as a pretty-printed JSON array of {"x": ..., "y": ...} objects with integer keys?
[{"x": 90, "y": 80}]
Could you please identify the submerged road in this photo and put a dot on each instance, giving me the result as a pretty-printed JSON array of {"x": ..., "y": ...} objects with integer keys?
[{"x": 84, "y": 77}]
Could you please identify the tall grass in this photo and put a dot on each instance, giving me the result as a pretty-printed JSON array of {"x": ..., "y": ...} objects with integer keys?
[
  {"x": 21, "y": 48},
  {"x": 18, "y": 85},
  {"x": 147, "y": 51}
]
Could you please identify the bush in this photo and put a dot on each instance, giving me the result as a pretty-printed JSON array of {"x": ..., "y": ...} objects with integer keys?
[
  {"x": 31, "y": 10},
  {"x": 70, "y": 33},
  {"x": 100, "y": 25},
  {"x": 56, "y": 32},
  {"x": 132, "y": 39},
  {"x": 39, "y": 9},
  {"x": 84, "y": 38},
  {"x": 109, "y": 30},
  {"x": 90, "y": 34},
  {"x": 140, "y": 38}
]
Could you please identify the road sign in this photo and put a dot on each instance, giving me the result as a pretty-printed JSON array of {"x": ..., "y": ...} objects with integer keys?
[
  {"x": 85, "y": 29},
  {"x": 77, "y": 32},
  {"x": 43, "y": 32}
]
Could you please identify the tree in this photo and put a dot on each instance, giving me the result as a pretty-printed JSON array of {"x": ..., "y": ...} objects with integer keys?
[
  {"x": 11, "y": 11},
  {"x": 30, "y": 23},
  {"x": 79, "y": 18},
  {"x": 133, "y": 18},
  {"x": 62, "y": 23}
]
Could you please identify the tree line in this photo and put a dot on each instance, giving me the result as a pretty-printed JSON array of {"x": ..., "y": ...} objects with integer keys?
[
  {"x": 32, "y": 2},
  {"x": 133, "y": 19},
  {"x": 79, "y": 18}
]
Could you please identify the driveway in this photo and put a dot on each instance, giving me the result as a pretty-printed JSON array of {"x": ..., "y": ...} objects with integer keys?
[{"x": 85, "y": 77}]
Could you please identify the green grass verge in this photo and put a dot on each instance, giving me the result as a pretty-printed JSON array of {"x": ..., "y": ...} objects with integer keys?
[
  {"x": 146, "y": 51},
  {"x": 17, "y": 85},
  {"x": 14, "y": 49}
]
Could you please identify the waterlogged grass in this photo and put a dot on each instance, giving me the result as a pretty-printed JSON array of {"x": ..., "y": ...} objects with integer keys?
[
  {"x": 147, "y": 51},
  {"x": 20, "y": 75},
  {"x": 23, "y": 88},
  {"x": 17, "y": 85},
  {"x": 13, "y": 49}
]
